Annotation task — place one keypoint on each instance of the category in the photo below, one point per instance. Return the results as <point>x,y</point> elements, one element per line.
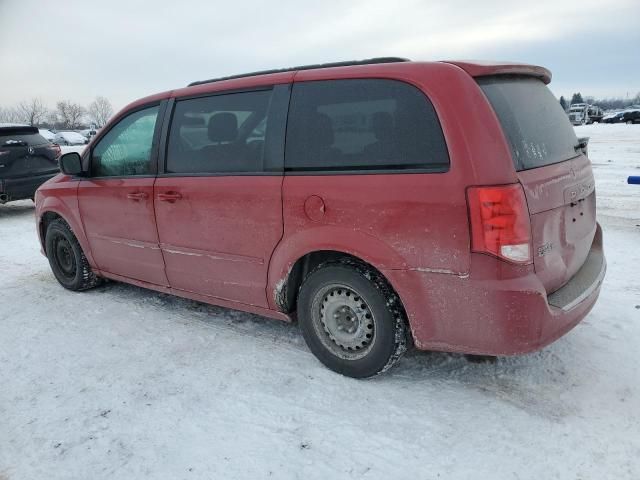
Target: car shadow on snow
<point>211,316</point>
<point>535,383</point>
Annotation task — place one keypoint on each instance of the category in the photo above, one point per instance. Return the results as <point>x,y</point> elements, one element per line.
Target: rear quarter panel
<point>401,221</point>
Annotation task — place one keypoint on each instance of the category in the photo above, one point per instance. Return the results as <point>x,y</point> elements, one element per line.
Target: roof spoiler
<point>485,69</point>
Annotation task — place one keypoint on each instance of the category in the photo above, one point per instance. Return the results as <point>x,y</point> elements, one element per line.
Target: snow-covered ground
<point>120,382</point>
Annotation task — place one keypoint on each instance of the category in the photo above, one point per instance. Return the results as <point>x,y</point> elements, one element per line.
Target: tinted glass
<point>363,125</point>
<point>126,148</point>
<point>222,133</point>
<point>21,139</point>
<point>534,122</point>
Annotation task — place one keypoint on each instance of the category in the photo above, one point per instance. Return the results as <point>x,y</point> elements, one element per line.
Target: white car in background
<point>89,133</point>
<point>48,134</point>
<point>70,138</point>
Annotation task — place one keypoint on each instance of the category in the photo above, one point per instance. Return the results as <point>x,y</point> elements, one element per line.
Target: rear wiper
<point>582,144</point>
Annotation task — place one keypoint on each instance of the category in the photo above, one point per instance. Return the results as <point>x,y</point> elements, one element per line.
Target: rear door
<point>554,170</point>
<point>116,202</point>
<point>368,172</point>
<point>219,201</point>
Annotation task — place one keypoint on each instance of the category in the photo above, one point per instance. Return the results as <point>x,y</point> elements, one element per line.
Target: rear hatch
<point>554,170</point>
<point>24,152</point>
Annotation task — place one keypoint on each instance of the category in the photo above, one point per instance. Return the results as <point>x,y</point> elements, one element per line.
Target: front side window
<point>219,134</point>
<point>366,124</point>
<point>126,149</point>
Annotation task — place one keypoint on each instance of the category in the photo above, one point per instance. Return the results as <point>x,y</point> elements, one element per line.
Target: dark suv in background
<point>631,116</point>
<point>27,160</point>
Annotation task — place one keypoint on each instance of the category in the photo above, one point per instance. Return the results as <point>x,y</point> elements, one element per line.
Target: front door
<point>219,201</point>
<point>116,201</point>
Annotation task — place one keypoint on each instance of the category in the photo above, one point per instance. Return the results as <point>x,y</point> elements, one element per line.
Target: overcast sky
<point>128,49</point>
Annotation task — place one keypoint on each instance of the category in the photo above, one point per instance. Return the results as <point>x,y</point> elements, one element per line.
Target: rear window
<point>363,124</point>
<point>538,129</point>
<point>20,136</point>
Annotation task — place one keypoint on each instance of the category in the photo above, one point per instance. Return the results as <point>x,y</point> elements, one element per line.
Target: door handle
<point>137,196</point>
<point>169,197</point>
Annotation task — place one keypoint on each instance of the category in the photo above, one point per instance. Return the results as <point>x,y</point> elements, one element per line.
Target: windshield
<point>536,126</point>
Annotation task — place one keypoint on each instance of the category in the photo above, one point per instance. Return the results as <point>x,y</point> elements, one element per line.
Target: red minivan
<point>379,203</point>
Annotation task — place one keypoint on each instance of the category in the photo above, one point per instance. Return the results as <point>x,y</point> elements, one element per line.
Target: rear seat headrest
<point>321,128</point>
<point>223,127</point>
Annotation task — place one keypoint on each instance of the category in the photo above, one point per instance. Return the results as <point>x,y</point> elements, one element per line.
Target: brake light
<point>56,148</point>
<point>500,224</point>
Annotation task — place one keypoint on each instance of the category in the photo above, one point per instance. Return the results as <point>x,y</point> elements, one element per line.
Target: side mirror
<point>71,163</point>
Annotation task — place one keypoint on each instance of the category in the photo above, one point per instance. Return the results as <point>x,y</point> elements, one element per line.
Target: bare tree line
<point>66,114</point>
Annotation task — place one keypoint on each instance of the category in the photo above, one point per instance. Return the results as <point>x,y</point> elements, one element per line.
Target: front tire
<point>66,258</point>
<point>351,319</point>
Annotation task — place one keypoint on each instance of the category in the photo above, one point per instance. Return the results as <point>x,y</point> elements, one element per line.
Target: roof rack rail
<point>369,61</point>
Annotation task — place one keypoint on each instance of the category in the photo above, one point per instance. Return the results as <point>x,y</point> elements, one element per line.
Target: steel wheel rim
<point>64,257</point>
<point>343,321</point>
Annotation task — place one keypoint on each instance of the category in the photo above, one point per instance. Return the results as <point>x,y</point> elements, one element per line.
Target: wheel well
<point>47,218</point>
<point>286,293</point>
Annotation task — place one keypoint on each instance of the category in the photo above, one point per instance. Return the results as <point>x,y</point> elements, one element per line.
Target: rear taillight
<point>500,223</point>
<point>56,148</point>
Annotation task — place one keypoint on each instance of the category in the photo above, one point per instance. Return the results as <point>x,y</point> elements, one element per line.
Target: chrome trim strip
<point>192,252</point>
<point>589,290</point>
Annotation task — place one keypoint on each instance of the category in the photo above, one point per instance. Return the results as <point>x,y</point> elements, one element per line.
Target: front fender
<point>59,196</point>
<point>327,237</point>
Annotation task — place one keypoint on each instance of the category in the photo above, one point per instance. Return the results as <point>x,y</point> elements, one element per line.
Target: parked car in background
<point>578,113</point>
<point>48,134</point>
<point>584,114</point>
<point>27,160</point>
<point>70,138</point>
<point>89,133</point>
<point>361,210</point>
<point>594,114</point>
<point>51,137</point>
<point>615,117</point>
<point>631,116</point>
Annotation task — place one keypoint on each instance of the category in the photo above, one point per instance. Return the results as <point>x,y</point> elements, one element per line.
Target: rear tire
<point>66,258</point>
<point>351,319</point>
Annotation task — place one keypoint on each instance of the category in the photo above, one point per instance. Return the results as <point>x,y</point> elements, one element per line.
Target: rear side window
<point>536,126</point>
<point>219,134</point>
<point>363,125</point>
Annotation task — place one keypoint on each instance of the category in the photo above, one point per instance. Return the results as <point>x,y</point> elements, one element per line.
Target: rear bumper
<point>19,188</point>
<point>496,317</point>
